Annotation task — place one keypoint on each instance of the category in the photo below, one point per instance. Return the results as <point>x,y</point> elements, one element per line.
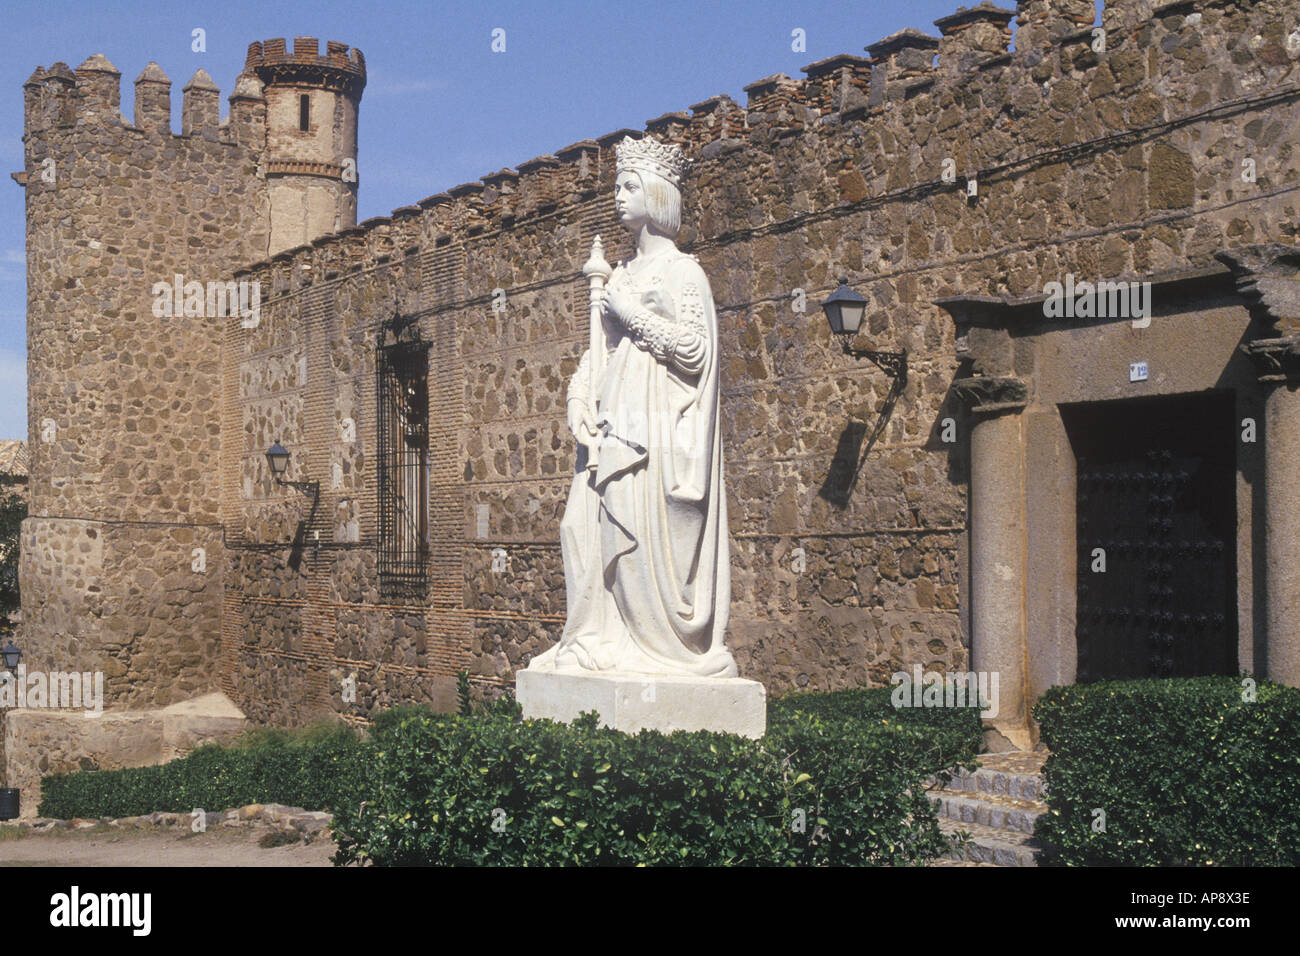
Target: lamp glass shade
<point>844,309</point>
<point>278,458</point>
<point>11,655</point>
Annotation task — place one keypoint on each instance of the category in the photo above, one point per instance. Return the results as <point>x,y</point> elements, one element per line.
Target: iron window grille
<point>403,439</point>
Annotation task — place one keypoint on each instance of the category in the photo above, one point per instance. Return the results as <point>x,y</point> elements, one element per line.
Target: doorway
<point>1156,536</point>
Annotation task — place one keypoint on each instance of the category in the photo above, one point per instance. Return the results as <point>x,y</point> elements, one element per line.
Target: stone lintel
<point>1004,311</point>
<point>636,702</point>
<point>964,308</point>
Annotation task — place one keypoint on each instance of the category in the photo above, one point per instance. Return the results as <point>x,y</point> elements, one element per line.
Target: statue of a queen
<point>644,534</point>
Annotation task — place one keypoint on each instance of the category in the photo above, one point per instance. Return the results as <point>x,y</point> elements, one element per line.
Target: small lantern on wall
<point>11,656</point>
<point>844,309</point>
<point>277,458</point>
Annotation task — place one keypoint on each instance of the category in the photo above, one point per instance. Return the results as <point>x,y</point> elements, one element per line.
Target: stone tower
<point>122,553</point>
<point>311,136</point>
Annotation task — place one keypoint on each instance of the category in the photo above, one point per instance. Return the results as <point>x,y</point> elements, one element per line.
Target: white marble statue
<point>644,535</point>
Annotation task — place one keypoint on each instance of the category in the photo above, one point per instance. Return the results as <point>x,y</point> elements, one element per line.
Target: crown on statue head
<point>649,155</point>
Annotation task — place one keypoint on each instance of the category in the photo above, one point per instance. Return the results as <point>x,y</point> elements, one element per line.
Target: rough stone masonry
<point>1120,159</point>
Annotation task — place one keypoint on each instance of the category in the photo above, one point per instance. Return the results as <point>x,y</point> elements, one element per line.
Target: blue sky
<point>440,107</point>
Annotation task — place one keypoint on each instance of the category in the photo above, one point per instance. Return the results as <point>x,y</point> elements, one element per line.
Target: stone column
<point>1051,579</point>
<point>999,551</point>
<point>1268,277</point>
<point>1282,515</point>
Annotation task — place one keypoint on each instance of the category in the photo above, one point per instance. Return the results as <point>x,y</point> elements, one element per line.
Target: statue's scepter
<point>597,271</point>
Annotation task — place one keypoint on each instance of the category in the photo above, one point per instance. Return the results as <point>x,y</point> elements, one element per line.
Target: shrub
<point>1186,772</point>
<point>13,509</point>
<point>839,778</point>
<point>832,782</point>
<point>307,768</point>
<point>958,728</point>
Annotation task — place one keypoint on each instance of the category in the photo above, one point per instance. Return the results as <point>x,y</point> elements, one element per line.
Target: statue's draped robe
<point>644,535</point>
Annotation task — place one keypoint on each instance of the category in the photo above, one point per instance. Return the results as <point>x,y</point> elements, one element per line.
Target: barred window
<point>403,426</point>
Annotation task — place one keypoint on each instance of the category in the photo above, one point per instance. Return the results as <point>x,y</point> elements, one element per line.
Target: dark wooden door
<point>1157,495</point>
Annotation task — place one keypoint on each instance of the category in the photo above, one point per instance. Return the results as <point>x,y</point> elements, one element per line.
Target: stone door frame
<point>1231,325</point>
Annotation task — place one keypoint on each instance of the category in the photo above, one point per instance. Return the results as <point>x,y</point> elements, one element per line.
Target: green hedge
<point>305,769</point>
<point>1186,772</point>
<point>958,727</point>
<point>838,779</point>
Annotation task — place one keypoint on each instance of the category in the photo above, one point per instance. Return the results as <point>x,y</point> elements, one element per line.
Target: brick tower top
<point>312,104</point>
<point>339,69</point>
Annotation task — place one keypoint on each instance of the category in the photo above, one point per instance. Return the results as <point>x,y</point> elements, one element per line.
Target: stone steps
<point>997,807</point>
<point>999,813</point>
<point>987,845</point>
<point>987,781</point>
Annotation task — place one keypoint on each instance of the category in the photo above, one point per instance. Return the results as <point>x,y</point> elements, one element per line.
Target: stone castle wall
<point>123,436</point>
<point>1125,162</point>
<point>123,553</point>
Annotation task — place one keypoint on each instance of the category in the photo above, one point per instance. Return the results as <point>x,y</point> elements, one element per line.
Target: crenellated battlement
<point>898,62</point>
<point>934,166</point>
<point>58,100</point>
<point>972,37</point>
<point>339,69</point>
<point>1047,79</point>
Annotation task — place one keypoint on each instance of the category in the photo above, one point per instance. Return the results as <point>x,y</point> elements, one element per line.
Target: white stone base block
<point>635,702</point>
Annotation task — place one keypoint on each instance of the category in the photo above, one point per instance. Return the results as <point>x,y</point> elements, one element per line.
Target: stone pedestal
<point>635,702</point>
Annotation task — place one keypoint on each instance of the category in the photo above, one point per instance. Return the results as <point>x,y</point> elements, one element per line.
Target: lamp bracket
<point>306,487</point>
<point>893,364</point>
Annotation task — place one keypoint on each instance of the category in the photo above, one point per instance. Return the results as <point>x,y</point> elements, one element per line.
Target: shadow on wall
<point>852,451</point>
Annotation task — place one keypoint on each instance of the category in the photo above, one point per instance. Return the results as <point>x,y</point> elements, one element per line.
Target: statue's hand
<point>581,422</point>
<point>619,303</point>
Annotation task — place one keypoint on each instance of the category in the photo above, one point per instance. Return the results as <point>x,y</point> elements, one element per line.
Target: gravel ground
<point>105,846</point>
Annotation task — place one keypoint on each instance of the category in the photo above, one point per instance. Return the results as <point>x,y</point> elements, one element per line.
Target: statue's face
<point>629,199</point>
